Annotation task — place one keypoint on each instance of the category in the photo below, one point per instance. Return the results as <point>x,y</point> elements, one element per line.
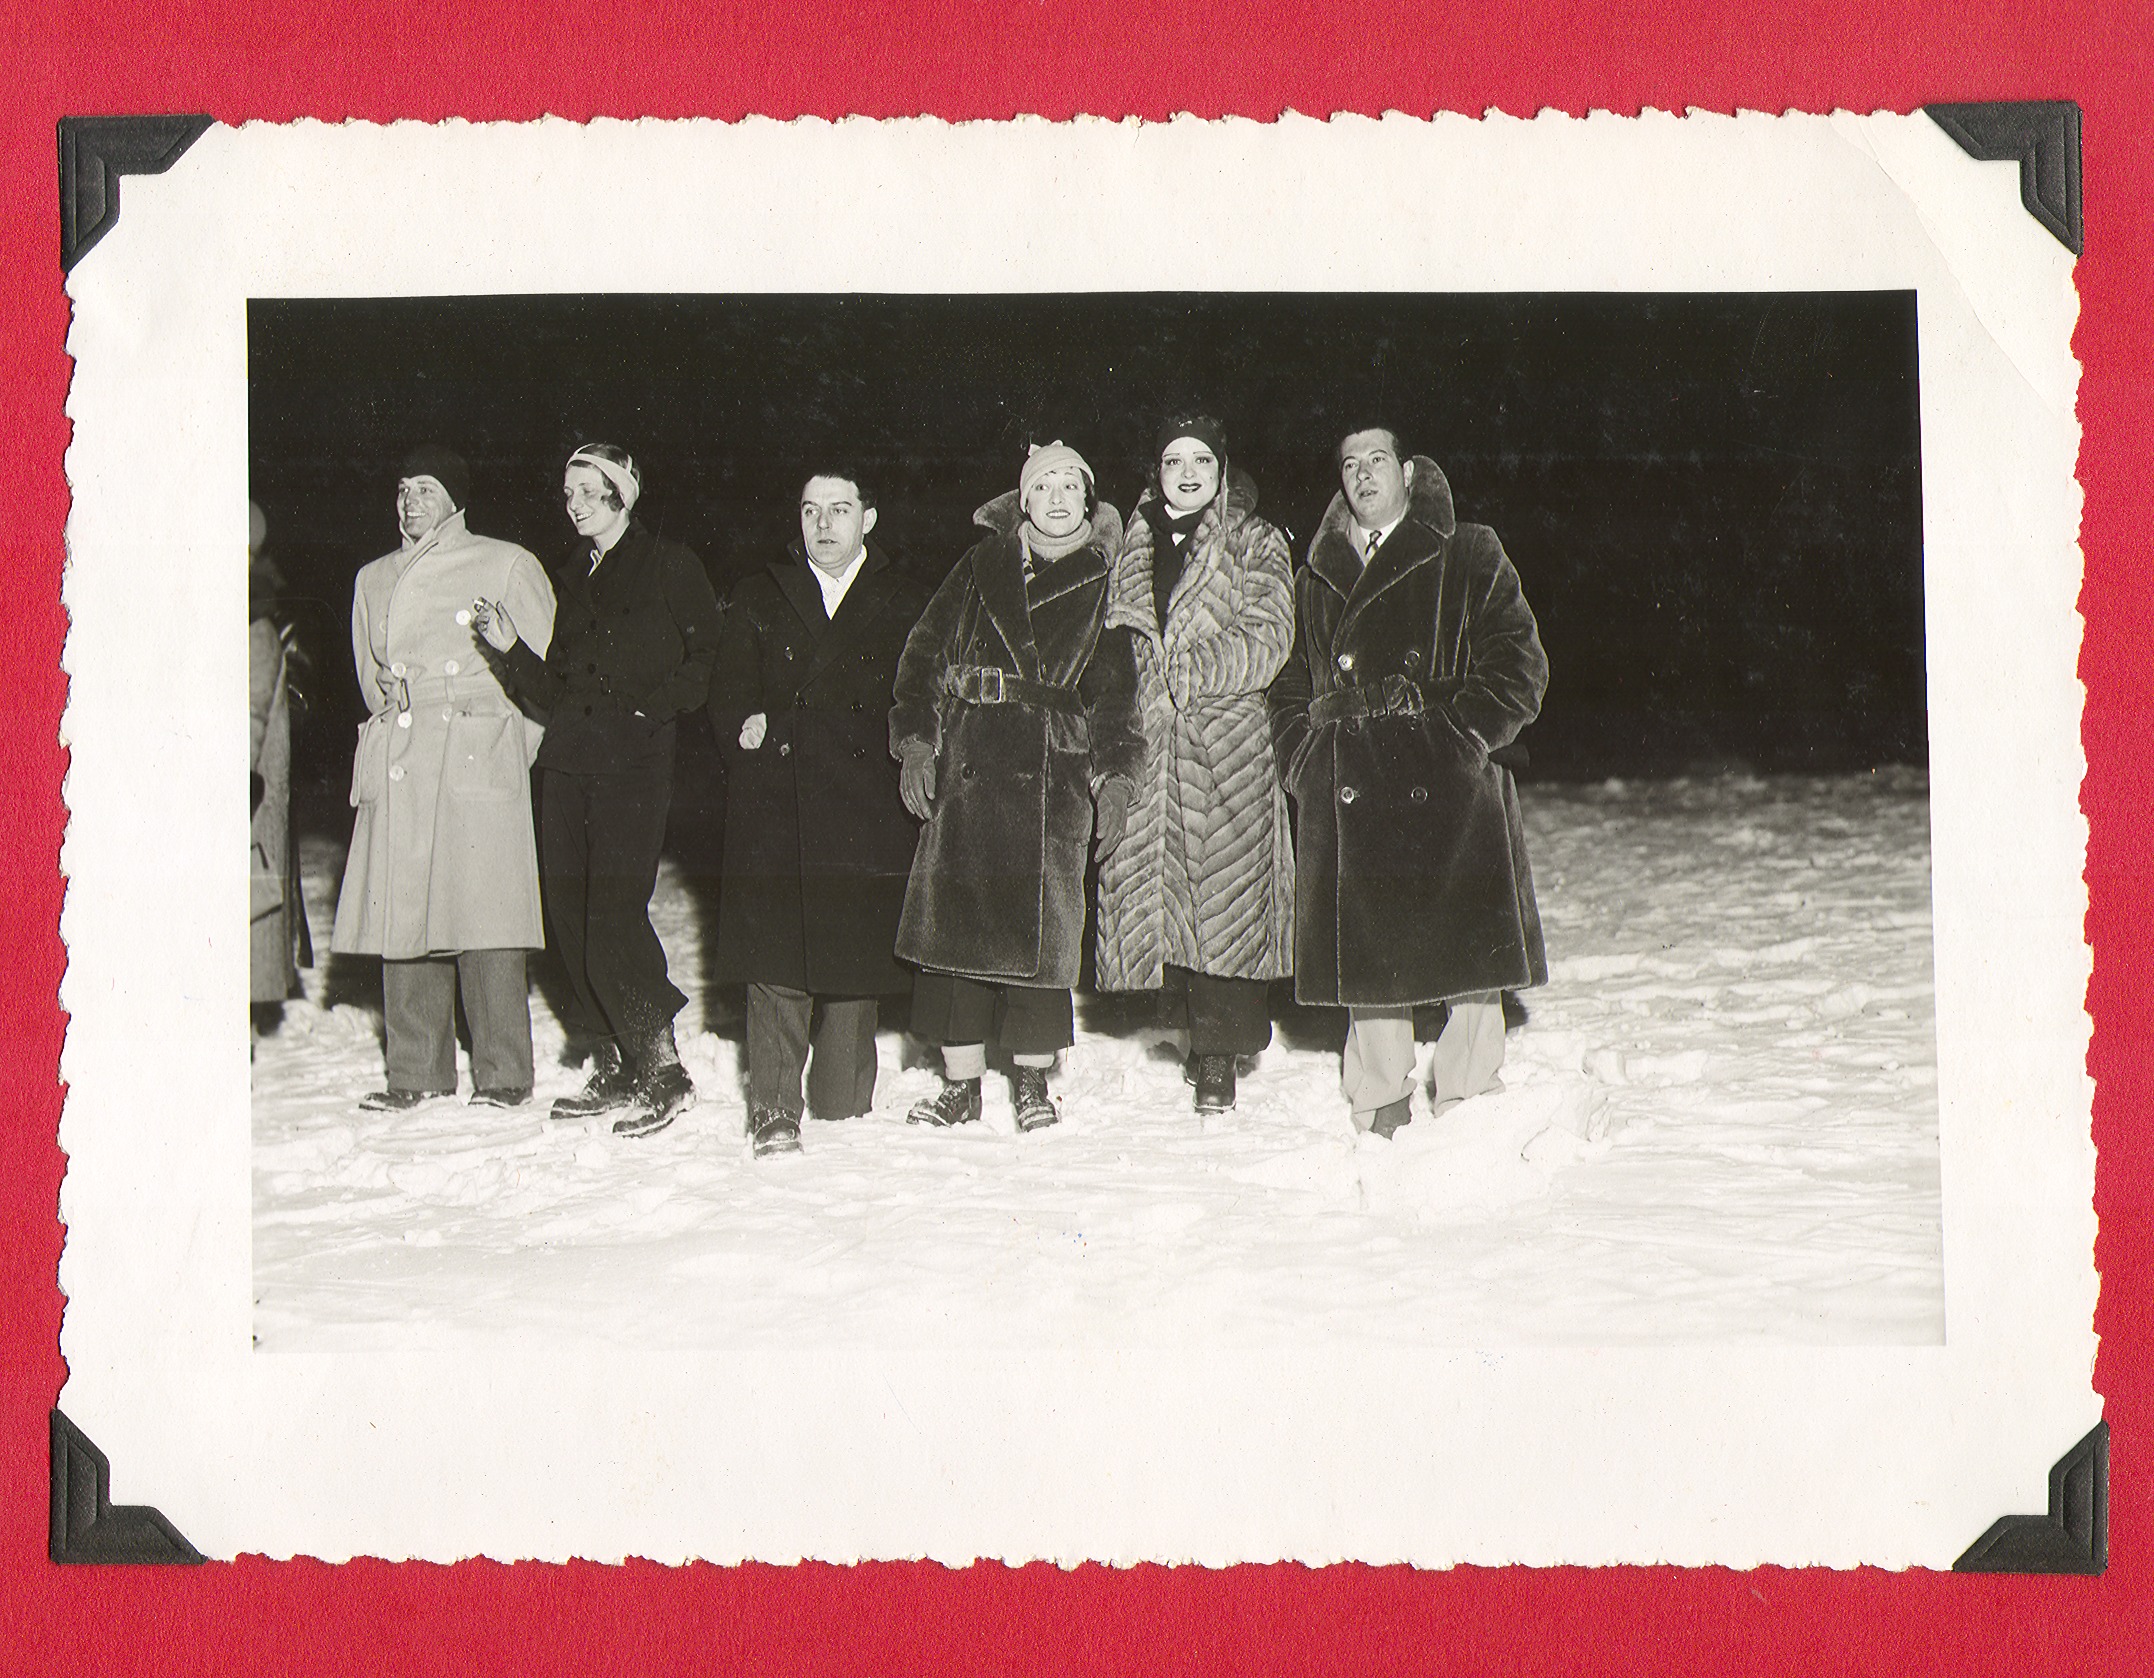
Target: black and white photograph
<point>1609,787</point>
<point>957,853</point>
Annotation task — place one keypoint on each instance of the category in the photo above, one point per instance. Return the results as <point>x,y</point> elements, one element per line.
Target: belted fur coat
<point>1412,883</point>
<point>997,889</point>
<point>1204,876</point>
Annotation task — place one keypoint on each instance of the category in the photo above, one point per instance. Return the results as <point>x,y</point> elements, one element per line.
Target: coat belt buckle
<point>991,693</point>
<point>1402,696</point>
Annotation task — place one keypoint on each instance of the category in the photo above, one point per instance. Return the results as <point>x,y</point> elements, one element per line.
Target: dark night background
<point>1714,501</point>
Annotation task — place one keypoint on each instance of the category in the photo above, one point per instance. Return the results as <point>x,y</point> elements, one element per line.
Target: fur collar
<point>1428,503</point>
<point>1239,501</point>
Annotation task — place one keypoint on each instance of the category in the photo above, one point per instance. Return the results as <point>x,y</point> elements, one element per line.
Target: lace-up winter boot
<point>1036,1109</point>
<point>958,1102</point>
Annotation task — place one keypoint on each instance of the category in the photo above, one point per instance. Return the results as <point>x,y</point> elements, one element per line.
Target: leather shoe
<point>395,1101</point>
<point>659,1100</point>
<point>774,1131</point>
<point>502,1095</point>
<point>1393,1116</point>
<point>1215,1083</point>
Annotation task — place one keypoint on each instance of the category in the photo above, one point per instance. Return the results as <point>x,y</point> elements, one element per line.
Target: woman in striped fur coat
<point>1199,896</point>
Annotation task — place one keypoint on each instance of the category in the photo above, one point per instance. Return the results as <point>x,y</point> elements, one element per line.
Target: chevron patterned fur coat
<point>1204,875</point>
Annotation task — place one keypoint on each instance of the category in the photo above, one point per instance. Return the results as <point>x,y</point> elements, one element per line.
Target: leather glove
<point>1113,801</point>
<point>916,779</point>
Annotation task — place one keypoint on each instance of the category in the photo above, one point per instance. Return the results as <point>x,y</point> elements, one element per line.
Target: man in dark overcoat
<point>817,844</point>
<point>1416,664</point>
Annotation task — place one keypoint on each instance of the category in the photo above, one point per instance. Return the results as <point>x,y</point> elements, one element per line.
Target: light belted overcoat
<point>442,857</point>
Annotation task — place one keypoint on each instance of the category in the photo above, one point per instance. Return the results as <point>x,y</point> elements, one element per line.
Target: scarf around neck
<point>1039,545</point>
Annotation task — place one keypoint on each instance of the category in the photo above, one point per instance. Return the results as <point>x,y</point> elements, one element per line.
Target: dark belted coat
<point>817,844</point>
<point>998,882</point>
<point>1411,880</point>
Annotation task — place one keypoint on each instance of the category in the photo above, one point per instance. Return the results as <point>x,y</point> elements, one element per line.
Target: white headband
<point>623,478</point>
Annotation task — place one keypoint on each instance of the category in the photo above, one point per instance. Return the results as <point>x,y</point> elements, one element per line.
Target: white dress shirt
<point>834,588</point>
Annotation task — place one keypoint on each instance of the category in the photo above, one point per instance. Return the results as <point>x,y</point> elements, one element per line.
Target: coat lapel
<point>862,604</point>
<point>998,572</point>
<point>804,594</point>
<point>1411,546</point>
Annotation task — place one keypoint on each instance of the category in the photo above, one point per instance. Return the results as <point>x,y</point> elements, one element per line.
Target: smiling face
<point>1376,481</point>
<point>833,523</point>
<point>594,505</point>
<point>1188,474</point>
<point>421,503</point>
<point>1055,502</point>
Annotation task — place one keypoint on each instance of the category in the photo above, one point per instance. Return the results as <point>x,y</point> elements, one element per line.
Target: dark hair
<point>620,457</point>
<point>1398,444</point>
<point>845,472</point>
<point>1189,422</point>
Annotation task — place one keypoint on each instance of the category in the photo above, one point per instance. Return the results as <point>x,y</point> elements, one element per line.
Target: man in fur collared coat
<point>1016,714</point>
<point>1416,666</point>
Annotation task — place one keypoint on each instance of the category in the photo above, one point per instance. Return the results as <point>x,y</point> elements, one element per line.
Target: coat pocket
<point>370,762</point>
<point>1475,754</point>
<point>486,759</point>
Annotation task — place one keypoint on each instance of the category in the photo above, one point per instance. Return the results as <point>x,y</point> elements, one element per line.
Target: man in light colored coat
<point>442,878</point>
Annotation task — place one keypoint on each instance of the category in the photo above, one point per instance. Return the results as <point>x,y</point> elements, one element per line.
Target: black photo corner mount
<point>95,152</point>
<point>2072,1538</point>
<point>87,1526</point>
<point>2042,137</point>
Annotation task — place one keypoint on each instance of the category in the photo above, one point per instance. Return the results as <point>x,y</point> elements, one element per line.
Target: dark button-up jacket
<point>632,649</point>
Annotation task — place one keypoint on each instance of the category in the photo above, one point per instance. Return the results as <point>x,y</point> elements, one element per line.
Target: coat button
<point>1420,795</point>
<point>785,750</point>
<point>1413,658</point>
<point>1346,661</point>
<point>860,751</point>
<point>448,713</point>
<point>452,667</point>
<point>396,771</point>
<point>1347,795</point>
<point>590,669</point>
<point>403,719</point>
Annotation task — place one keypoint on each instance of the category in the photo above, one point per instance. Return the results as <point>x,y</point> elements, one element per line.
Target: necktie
<point>1375,540</point>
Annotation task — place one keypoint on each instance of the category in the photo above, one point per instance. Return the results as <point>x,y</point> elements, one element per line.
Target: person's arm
<point>736,690</point>
<point>1109,687</point>
<point>697,618</point>
<point>1506,671</point>
<point>915,718</point>
<point>1245,655</point>
<point>1288,700</point>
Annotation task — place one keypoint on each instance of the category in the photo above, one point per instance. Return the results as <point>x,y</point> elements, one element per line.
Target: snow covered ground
<point>1719,1123</point>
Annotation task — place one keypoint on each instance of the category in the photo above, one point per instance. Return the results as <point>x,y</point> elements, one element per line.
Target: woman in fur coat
<point>1015,721</point>
<point>1200,892</point>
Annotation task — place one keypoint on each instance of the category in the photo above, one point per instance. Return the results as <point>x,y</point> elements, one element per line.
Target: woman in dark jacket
<point>634,634</point>
<point>1016,720</point>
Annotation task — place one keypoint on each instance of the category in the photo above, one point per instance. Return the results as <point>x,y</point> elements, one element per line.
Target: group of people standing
<point>1276,775</point>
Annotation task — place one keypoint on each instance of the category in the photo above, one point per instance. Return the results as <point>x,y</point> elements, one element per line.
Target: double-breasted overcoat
<point>442,856</point>
<point>817,844</point>
<point>1028,701</point>
<point>1204,875</point>
<point>1412,883</point>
